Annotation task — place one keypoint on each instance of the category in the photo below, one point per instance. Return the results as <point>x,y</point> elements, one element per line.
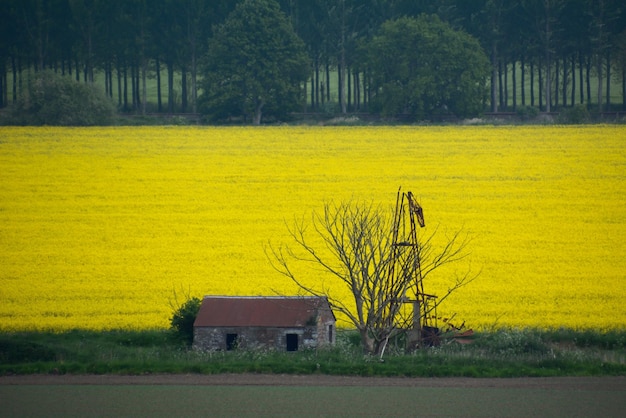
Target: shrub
<point>527,113</point>
<point>182,320</point>
<point>575,115</point>
<point>52,99</point>
<point>515,342</point>
<point>18,351</point>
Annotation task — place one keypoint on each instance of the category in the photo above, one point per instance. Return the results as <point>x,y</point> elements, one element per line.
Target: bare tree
<point>368,251</point>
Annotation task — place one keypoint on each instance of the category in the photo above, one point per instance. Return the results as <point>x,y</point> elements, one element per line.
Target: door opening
<point>292,342</point>
<point>231,341</point>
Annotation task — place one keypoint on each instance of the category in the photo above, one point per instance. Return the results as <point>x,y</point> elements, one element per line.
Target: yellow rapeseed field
<point>99,226</point>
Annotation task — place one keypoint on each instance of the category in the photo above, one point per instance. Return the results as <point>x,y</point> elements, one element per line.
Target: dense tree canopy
<point>255,63</point>
<point>543,53</point>
<point>56,100</point>
<point>421,66</point>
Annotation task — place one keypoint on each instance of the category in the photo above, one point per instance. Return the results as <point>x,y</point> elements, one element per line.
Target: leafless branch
<point>359,252</point>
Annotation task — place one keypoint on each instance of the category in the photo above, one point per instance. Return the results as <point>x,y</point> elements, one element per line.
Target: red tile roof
<point>225,311</point>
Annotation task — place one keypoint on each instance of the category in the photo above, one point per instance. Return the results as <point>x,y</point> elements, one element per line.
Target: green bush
<point>53,99</point>
<point>575,115</point>
<point>19,351</point>
<point>527,113</point>
<point>183,318</point>
<point>515,342</point>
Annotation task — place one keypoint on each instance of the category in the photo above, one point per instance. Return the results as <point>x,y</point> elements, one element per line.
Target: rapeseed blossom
<point>100,226</point>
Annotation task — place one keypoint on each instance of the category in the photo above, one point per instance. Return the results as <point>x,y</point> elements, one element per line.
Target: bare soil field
<point>259,395</point>
<point>556,383</point>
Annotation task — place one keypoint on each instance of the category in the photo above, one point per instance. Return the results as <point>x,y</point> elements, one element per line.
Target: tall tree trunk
<point>364,91</point>
<point>306,95</point>
<point>327,81</point>
<point>126,107</point>
<point>133,89</point>
<point>548,59</point>
<point>89,63</point>
<point>556,83</point>
<point>501,86</point>
<point>599,75</point>
<point>158,77</point>
<point>581,78</point>
<point>357,92</point>
<point>565,77</point>
<point>532,84</point>
<point>548,89</point>
<point>523,80</point>
<point>540,86</point>
<point>349,91</point>
<point>110,79</point>
<point>137,86</point>
<point>342,61</point>
<point>106,79</point>
<point>588,80</point>
<point>119,85</point>
<point>4,81</point>
<point>191,13</point>
<point>184,89</point>
<point>144,88</point>
<point>494,77</point>
<point>599,23</point>
<point>608,81</point>
<point>14,67</point>
<point>313,89</point>
<point>573,63</point>
<point>194,79</point>
<point>316,104</point>
<point>367,342</point>
<point>514,80</point>
<point>624,87</point>
<point>170,87</point>
<point>342,85</point>
<point>258,112</point>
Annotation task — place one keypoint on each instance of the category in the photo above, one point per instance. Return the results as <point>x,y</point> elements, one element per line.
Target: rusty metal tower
<point>406,268</point>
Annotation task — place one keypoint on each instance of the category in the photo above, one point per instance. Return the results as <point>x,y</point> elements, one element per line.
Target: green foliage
<point>423,67</point>
<point>254,66</point>
<point>609,340</point>
<point>575,115</point>
<point>504,353</point>
<point>53,99</point>
<point>527,113</point>
<point>20,351</point>
<point>514,342</point>
<point>183,318</point>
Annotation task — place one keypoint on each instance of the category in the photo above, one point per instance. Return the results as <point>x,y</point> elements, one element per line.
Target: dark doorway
<point>292,342</point>
<point>231,341</point>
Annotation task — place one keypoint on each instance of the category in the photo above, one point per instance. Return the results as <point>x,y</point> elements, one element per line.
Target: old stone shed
<point>281,323</point>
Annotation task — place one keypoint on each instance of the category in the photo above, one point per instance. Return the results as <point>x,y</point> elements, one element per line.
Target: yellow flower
<point>99,226</point>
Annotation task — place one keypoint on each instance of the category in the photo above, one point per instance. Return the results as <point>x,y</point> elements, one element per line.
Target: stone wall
<point>318,331</point>
<point>223,338</point>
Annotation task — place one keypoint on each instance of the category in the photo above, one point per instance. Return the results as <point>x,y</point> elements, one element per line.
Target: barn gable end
<point>281,323</point>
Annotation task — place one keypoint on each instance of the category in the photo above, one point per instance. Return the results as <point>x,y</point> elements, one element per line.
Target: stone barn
<point>281,323</point>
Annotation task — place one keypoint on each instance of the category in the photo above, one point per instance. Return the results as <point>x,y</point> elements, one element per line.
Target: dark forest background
<point>546,54</point>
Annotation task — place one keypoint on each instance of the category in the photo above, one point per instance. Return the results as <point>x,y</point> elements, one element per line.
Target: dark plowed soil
<point>580,383</point>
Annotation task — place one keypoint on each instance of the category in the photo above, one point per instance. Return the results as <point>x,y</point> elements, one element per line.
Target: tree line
<point>567,52</point>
